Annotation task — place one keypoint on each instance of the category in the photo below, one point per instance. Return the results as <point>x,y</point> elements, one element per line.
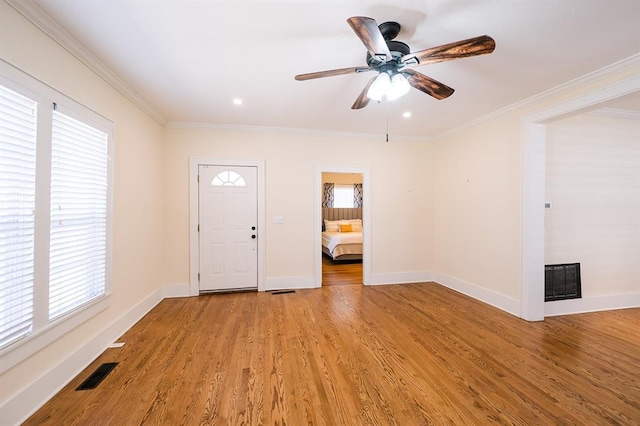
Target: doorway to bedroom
<point>342,198</point>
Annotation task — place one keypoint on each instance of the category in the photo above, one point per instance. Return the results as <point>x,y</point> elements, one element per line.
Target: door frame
<point>194,263</point>
<point>366,221</point>
<point>533,162</point>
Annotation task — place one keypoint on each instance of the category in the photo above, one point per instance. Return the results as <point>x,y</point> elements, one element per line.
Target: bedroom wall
<point>400,177</point>
<point>477,194</point>
<point>137,211</point>
<point>593,184</point>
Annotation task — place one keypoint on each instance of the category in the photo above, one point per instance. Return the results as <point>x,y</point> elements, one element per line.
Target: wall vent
<point>562,282</point>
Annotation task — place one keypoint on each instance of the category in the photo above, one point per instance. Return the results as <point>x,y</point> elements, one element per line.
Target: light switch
<point>278,219</point>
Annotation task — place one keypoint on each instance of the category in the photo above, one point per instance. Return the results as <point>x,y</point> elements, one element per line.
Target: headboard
<point>330,213</point>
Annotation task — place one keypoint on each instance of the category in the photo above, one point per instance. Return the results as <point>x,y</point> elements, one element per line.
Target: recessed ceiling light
<point>406,114</point>
<point>237,101</point>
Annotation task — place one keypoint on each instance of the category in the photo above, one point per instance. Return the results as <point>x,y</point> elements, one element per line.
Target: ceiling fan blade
<point>330,73</point>
<point>459,49</point>
<point>362,100</point>
<point>370,35</point>
<point>428,85</point>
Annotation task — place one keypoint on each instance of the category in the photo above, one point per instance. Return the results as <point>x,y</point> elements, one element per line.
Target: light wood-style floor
<point>357,355</point>
<point>341,272</point>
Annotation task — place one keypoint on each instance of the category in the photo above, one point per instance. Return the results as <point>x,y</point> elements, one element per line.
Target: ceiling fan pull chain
<point>386,104</point>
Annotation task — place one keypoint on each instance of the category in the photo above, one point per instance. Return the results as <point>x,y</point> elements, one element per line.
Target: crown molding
<point>626,114</point>
<point>293,130</point>
<point>631,61</point>
<point>57,33</point>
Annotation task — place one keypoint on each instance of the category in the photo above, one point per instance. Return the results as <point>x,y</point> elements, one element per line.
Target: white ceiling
<point>189,58</point>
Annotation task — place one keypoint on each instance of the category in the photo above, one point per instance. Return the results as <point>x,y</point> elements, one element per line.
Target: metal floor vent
<point>282,291</point>
<point>562,282</point>
<point>98,376</point>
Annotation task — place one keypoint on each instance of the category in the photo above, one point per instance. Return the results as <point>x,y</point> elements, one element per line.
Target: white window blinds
<point>17,203</point>
<point>55,215</point>
<point>78,214</point>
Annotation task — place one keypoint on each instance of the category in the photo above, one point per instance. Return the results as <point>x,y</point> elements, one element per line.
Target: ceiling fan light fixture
<point>379,87</point>
<point>391,87</point>
<point>398,88</point>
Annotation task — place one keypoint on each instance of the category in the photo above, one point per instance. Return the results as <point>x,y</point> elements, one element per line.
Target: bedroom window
<point>228,178</point>
<point>55,220</point>
<point>343,196</point>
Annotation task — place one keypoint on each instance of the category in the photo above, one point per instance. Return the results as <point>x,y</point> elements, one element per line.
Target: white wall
<point>479,188</point>
<point>477,209</point>
<point>400,196</point>
<point>593,184</point>
<point>137,210</point>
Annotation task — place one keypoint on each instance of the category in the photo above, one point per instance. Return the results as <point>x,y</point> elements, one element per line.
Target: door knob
<point>253,236</point>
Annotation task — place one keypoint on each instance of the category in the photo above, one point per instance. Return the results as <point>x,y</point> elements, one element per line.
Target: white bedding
<point>340,243</point>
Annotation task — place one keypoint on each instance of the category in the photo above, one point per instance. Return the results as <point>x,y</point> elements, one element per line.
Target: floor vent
<point>562,282</point>
<point>94,380</point>
<point>283,291</point>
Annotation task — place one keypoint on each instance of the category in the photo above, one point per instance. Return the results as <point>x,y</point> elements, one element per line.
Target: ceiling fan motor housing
<point>398,49</point>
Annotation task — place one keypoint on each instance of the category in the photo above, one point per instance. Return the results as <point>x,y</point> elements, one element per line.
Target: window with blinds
<point>55,220</point>
<point>78,214</point>
<point>18,123</point>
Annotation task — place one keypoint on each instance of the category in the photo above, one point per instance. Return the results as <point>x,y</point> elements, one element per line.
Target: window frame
<point>44,332</point>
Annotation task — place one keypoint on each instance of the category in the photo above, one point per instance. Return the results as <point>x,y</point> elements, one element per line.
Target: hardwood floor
<point>341,273</point>
<point>356,355</point>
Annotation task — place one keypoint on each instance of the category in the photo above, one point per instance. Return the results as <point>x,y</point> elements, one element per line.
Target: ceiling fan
<point>393,62</point>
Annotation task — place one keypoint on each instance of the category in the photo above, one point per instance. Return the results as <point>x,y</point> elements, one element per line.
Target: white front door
<point>228,222</point>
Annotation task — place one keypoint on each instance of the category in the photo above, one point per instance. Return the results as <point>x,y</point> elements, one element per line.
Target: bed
<point>342,233</point>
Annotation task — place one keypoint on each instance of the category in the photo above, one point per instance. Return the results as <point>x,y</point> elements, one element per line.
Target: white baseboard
<point>498,300</point>
<point>177,290</point>
<point>18,408</point>
<point>592,304</point>
<point>289,283</point>
<point>402,278</point>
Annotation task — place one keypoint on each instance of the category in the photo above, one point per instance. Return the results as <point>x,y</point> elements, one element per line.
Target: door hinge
<point>198,276</point>
<point>198,178</point>
<point>198,227</point>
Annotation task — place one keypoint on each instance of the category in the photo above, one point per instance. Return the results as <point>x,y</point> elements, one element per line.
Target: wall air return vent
<point>562,282</point>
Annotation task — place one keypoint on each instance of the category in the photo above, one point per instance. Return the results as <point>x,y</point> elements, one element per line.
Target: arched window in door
<point>228,178</point>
